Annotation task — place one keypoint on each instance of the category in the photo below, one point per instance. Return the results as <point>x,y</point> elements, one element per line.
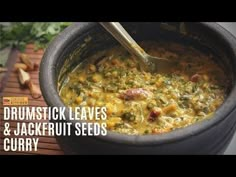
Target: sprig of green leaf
<point>18,34</point>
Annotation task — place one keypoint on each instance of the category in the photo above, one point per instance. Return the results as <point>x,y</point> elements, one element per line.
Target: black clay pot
<point>83,39</point>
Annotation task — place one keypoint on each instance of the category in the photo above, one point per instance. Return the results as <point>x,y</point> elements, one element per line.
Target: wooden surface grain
<point>47,144</point>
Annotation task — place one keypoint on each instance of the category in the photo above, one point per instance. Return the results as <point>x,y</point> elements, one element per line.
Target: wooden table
<point>10,87</point>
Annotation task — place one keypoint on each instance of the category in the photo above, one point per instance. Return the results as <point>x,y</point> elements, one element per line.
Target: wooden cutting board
<point>10,87</point>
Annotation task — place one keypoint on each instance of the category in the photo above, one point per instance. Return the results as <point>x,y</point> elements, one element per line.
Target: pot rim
<point>49,90</point>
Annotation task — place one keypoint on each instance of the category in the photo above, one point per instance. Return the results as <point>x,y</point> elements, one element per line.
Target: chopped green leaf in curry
<point>139,102</point>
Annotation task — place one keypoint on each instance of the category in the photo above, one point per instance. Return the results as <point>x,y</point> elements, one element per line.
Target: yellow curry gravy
<point>139,102</point>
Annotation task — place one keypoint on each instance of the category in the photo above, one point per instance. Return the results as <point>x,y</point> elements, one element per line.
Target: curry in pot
<point>140,102</point>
